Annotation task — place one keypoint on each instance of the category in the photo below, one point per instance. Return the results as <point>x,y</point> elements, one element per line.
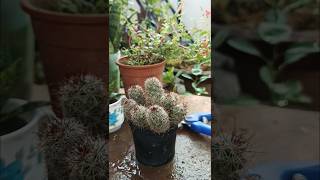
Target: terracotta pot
<point>69,45</point>
<point>136,75</point>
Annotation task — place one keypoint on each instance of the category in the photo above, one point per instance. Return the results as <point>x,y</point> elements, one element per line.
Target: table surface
<point>279,134</point>
<point>192,158</point>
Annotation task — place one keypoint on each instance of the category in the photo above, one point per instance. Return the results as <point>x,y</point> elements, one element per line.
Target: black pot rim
<point>148,131</point>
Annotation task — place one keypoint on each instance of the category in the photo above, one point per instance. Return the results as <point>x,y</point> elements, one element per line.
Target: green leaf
<point>280,88</point>
<point>295,87</point>
<point>266,76</point>
<point>244,46</point>
<point>302,99</point>
<point>203,78</point>
<point>178,73</point>
<point>220,38</point>
<point>274,33</point>
<point>299,51</point>
<point>196,70</point>
<point>296,4</point>
<point>185,75</point>
<point>168,77</point>
<point>276,16</point>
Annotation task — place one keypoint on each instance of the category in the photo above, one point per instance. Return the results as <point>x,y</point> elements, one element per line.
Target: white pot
<point>116,116</point>
<point>19,154</point>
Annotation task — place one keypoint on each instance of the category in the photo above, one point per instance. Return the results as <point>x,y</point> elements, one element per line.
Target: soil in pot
<point>154,149</point>
<point>11,125</point>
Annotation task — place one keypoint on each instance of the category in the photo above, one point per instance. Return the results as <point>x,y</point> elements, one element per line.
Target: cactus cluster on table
<point>151,108</point>
<point>75,147</point>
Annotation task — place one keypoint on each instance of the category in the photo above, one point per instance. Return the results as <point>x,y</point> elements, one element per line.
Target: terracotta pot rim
<point>48,15</point>
<point>124,58</point>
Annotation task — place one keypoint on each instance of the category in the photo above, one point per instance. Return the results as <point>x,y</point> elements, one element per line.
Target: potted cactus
<point>72,39</point>
<point>153,116</point>
<point>75,147</point>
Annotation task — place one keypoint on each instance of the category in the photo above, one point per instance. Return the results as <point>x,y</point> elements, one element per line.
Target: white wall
<point>193,13</point>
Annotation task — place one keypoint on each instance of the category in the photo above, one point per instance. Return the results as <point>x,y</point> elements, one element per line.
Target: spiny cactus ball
<point>177,113</point>
<point>153,90</point>
<point>169,100</point>
<point>84,98</point>
<point>127,105</point>
<point>138,116</point>
<point>136,93</point>
<point>56,137</point>
<point>88,160</point>
<point>158,119</point>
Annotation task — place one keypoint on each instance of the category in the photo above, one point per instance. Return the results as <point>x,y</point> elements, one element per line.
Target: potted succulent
<point>75,146</point>
<point>71,35</point>
<point>153,117</point>
<point>19,157</point>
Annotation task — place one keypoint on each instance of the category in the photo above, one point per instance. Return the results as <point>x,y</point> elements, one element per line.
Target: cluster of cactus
<point>152,108</point>
<point>75,147</point>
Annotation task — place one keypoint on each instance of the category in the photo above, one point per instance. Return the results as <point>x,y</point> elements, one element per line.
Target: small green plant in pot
<point>153,116</point>
<point>142,60</point>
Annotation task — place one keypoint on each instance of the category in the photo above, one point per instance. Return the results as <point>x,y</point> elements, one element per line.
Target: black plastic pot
<point>154,149</point>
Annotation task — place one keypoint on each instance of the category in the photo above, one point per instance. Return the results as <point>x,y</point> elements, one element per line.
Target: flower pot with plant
<point>153,117</point>
<point>146,56</point>
<point>71,36</point>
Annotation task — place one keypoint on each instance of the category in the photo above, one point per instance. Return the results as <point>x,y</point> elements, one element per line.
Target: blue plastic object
<point>195,122</point>
<point>286,170</point>
<point>310,172</point>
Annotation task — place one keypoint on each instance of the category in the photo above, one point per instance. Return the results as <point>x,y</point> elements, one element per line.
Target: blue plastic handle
<point>199,116</point>
<point>200,127</point>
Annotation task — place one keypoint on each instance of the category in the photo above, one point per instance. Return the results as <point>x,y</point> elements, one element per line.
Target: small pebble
<point>298,177</point>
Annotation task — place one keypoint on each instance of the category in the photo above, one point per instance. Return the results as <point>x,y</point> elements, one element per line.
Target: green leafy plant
<point>298,13</point>
<point>168,41</point>
<point>197,77</point>
<point>80,6</point>
<point>152,108</point>
<point>274,33</point>
<point>146,47</point>
<point>171,79</point>
<point>116,28</point>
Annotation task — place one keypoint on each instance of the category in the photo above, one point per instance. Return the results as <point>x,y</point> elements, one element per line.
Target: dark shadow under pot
<point>154,149</point>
